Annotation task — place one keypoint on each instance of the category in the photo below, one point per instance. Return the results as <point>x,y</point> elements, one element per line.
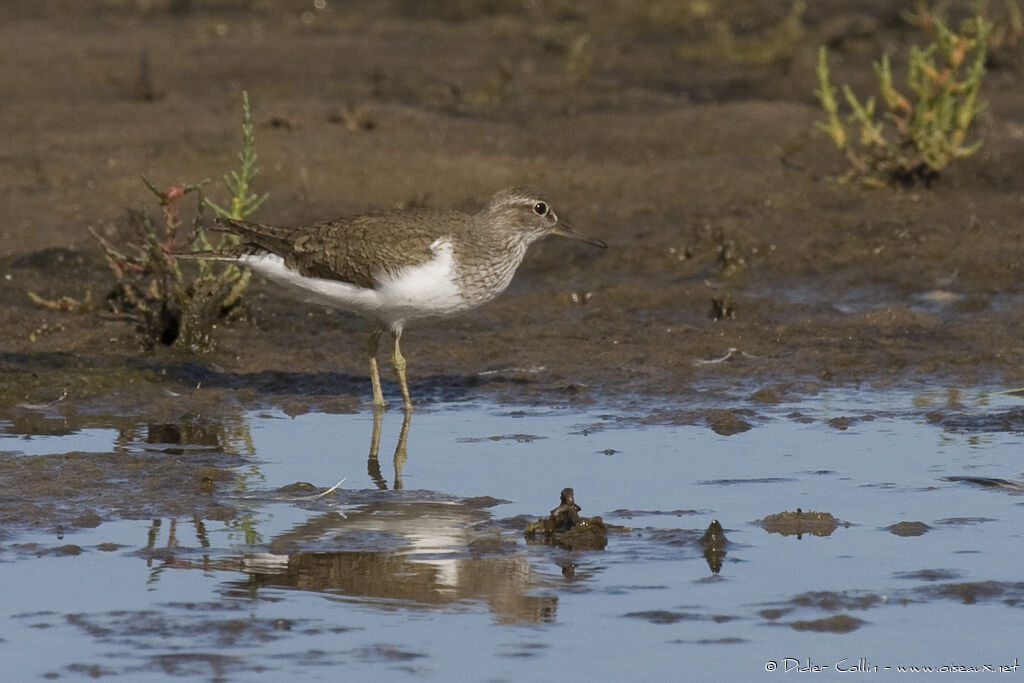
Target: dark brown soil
<point>680,132</point>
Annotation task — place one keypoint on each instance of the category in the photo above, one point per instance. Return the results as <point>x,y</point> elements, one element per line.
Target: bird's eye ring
<point>540,208</point>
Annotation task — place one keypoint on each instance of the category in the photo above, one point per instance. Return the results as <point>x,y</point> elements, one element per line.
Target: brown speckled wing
<point>356,249</point>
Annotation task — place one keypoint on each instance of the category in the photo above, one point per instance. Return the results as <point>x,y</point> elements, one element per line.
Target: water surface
<point>416,566</point>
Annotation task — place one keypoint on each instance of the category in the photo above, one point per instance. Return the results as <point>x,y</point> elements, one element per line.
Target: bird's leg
<point>400,450</point>
<point>399,362</point>
<point>372,464</point>
<point>371,351</point>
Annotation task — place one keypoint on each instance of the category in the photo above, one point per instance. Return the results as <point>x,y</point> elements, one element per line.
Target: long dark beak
<point>566,230</point>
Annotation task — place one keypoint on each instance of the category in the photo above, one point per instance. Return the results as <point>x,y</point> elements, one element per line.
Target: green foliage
<point>921,132</point>
<point>238,182</point>
<point>181,302</point>
<point>1007,34</point>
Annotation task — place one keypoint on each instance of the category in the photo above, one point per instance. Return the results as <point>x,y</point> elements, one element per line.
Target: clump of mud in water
<point>714,541</point>
<point>840,623</point>
<point>565,527</point>
<point>909,529</point>
<point>800,522</point>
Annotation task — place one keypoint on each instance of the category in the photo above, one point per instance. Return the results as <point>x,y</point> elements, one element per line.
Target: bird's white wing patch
<point>425,290</point>
<point>420,291</point>
<point>343,295</point>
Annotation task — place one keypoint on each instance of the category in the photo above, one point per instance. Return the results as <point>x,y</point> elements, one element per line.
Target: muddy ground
<point>682,133</point>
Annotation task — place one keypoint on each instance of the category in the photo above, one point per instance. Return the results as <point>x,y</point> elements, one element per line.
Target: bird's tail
<point>221,224</point>
<point>242,229</point>
<point>203,255</point>
<point>254,231</point>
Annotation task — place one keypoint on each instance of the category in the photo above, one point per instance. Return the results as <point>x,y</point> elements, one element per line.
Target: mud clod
<point>840,623</point>
<point>800,522</point>
<point>565,527</point>
<point>909,529</point>
<point>726,422</point>
<point>714,542</point>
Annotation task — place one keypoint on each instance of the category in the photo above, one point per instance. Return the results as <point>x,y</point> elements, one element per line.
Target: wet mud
<point>566,528</point>
<point>704,174</point>
<point>801,522</point>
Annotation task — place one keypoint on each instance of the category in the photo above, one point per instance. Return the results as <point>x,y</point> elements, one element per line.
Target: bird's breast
<point>488,272</point>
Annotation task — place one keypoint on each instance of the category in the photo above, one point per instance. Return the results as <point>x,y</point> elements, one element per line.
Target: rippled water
<point>416,567</point>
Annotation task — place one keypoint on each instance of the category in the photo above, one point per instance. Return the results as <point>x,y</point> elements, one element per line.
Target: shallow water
<point>416,567</point>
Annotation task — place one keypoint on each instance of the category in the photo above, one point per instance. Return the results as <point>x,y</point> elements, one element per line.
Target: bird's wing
<point>356,249</point>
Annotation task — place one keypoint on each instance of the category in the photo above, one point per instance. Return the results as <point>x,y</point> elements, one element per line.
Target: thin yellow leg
<point>371,351</point>
<point>399,362</point>
<point>400,450</point>
<point>372,463</point>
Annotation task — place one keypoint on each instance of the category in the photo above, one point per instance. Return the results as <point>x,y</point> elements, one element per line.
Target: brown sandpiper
<point>399,265</point>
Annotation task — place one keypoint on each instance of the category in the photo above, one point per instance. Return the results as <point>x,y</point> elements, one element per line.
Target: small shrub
<point>238,183</point>
<point>180,303</point>
<point>922,132</point>
<point>1005,38</point>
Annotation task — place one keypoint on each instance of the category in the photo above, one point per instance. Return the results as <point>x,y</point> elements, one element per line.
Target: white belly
<point>422,291</point>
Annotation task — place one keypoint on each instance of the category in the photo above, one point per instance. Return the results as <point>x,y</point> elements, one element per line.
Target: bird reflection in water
<point>373,464</point>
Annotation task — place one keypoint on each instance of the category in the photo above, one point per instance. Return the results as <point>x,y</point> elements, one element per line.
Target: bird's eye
<point>540,208</point>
